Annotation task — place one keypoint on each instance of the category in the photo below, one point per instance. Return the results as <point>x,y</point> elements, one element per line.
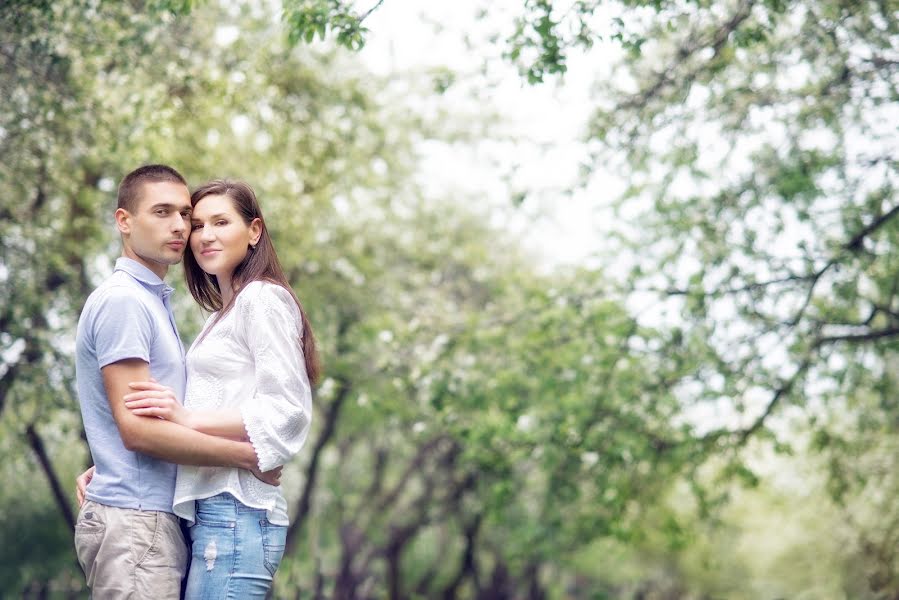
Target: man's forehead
<point>164,192</point>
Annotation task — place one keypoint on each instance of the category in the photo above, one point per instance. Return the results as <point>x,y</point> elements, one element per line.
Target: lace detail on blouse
<point>251,360</point>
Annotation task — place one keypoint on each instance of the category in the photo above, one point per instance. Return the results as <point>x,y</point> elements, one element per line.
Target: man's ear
<point>123,221</point>
<point>255,231</point>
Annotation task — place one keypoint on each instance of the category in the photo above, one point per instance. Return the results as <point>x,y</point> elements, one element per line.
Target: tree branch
<point>7,381</point>
<point>687,50</point>
<point>412,468</point>
<point>855,244</point>
<point>785,388</point>
<point>815,278</point>
<point>312,471</point>
<point>371,10</point>
<point>749,287</point>
<point>62,501</point>
<point>467,566</point>
<point>868,336</point>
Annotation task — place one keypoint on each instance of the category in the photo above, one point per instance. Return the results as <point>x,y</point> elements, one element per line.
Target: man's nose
<point>178,224</point>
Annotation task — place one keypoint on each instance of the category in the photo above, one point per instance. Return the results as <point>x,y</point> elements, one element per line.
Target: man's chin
<point>167,260</point>
<point>173,258</point>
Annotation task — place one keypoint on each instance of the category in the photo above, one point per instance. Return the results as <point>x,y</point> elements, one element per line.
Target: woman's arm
<point>81,483</point>
<point>278,416</point>
<point>276,420</point>
<point>152,399</point>
<point>225,422</point>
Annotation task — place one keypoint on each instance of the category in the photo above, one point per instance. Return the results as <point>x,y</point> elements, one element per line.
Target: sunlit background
<point>607,292</point>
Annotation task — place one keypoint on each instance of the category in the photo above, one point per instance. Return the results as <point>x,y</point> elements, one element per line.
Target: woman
<point>248,377</point>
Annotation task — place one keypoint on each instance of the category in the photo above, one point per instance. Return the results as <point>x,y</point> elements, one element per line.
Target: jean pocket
<point>274,538</point>
<point>212,512</point>
<point>213,520</point>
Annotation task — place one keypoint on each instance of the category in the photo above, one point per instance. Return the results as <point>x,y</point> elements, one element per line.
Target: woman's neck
<point>225,288</point>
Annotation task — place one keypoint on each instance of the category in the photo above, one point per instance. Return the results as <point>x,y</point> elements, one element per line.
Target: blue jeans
<point>234,550</point>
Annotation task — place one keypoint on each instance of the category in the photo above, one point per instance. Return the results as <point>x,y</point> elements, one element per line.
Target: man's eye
<point>162,212</point>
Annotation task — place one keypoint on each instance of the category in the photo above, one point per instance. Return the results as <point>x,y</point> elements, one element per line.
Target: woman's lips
<point>208,252</point>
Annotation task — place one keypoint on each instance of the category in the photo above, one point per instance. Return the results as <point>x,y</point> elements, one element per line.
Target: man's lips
<point>179,244</point>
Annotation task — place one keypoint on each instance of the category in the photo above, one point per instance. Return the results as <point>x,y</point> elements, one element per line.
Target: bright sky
<point>541,126</point>
<point>534,147</point>
<point>548,121</point>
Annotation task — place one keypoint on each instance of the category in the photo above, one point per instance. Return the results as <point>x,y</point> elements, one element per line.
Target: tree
<point>413,299</point>
<point>763,186</point>
<point>762,221</point>
<point>93,93</point>
<point>57,142</point>
<point>483,430</point>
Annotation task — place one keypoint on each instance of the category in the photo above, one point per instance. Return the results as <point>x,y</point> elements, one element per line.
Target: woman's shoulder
<point>264,294</point>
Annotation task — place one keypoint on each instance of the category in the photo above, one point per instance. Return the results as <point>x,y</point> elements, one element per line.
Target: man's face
<point>156,233</point>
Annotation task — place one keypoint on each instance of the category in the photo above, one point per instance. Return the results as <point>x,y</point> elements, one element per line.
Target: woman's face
<point>219,238</point>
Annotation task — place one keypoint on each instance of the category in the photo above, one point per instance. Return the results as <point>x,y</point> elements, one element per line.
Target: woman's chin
<point>210,271</point>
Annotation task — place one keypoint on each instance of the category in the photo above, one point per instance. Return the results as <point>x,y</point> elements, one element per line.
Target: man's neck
<point>158,268</point>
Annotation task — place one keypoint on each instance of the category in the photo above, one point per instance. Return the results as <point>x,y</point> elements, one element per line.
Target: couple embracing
<point>189,444</point>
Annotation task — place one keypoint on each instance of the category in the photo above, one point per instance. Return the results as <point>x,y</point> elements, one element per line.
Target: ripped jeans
<point>234,550</point>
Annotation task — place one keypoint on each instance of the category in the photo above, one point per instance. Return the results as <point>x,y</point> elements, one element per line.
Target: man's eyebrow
<point>170,206</point>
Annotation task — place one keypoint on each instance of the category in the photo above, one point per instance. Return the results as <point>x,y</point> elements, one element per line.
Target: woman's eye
<point>221,223</point>
<point>195,227</point>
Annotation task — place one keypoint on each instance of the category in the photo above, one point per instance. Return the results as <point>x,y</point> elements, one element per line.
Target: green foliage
<point>484,430</point>
<point>307,18</point>
<point>536,33</point>
<point>434,422</point>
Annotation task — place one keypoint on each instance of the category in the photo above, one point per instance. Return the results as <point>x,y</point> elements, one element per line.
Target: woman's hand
<point>272,477</point>
<point>81,484</point>
<point>151,399</point>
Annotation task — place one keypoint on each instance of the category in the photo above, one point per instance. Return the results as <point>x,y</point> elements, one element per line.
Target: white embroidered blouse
<point>251,360</point>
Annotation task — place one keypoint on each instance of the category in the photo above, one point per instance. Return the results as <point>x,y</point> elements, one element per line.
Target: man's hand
<point>151,399</point>
<point>85,478</point>
<point>272,477</point>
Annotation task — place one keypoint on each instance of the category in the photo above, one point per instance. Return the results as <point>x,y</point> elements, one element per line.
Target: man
<point>128,541</point>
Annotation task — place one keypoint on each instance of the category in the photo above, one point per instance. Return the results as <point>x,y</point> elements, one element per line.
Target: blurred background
<point>607,291</point>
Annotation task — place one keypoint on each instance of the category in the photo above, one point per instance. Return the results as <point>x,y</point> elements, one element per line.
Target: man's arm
<point>163,439</point>
<point>152,399</point>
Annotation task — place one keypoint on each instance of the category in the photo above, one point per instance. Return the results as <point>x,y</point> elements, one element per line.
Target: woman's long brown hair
<point>260,264</point>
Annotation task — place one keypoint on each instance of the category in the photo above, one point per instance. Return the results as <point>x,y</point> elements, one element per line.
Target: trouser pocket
<point>89,531</point>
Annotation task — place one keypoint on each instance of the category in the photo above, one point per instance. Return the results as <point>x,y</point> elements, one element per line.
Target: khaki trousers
<point>129,553</point>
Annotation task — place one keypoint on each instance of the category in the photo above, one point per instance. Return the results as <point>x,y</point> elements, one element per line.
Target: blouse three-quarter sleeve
<point>277,418</point>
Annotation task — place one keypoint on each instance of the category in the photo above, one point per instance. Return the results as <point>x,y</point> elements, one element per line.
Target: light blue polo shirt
<point>128,316</point>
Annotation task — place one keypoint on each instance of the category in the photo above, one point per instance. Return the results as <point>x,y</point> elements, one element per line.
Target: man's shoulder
<point>117,294</point>
<point>117,286</point>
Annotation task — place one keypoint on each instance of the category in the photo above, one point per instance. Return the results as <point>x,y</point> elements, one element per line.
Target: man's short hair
<point>131,187</point>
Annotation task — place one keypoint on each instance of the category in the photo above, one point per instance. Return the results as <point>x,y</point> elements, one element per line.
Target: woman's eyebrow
<point>218,216</point>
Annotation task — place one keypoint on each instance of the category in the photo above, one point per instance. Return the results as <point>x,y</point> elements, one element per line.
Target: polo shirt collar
<point>145,276</point>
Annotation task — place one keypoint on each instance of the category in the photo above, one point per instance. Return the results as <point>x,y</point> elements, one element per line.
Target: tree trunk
<point>37,444</point>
